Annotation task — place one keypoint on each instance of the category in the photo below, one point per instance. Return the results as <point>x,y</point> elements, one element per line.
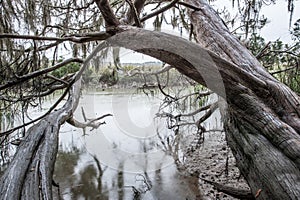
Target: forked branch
<point>94,123</point>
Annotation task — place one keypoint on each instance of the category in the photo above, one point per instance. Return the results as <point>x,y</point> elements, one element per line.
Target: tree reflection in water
<point>81,176</point>
<point>83,184</point>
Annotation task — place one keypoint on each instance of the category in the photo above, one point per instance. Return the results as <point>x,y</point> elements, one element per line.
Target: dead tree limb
<point>232,191</point>
<point>89,123</point>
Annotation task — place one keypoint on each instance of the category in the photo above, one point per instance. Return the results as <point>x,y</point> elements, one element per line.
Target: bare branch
<point>232,191</point>
<point>39,118</point>
<point>30,37</point>
<point>262,51</point>
<point>138,6</point>
<point>135,13</point>
<point>75,79</point>
<point>76,38</point>
<point>90,123</point>
<point>57,79</point>
<point>107,13</point>
<point>163,9</point>
<point>198,94</point>
<point>283,70</point>
<point>212,108</point>
<point>189,5</point>
<point>194,112</point>
<point>139,72</point>
<point>38,73</point>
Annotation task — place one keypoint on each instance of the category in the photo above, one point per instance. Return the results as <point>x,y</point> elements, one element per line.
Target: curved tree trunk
<point>262,121</point>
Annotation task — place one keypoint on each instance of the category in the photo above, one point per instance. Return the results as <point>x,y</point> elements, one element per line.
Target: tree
<point>262,116</point>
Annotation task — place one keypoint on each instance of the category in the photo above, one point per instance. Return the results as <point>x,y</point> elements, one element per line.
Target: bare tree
<point>262,117</point>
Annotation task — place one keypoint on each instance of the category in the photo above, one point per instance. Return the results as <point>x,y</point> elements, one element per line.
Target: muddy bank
<point>213,161</point>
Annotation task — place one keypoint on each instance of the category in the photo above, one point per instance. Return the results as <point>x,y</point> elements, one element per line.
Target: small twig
<point>163,70</point>
<point>194,113</point>
<point>163,9</point>
<point>83,114</point>
<point>77,39</point>
<point>162,91</point>
<point>262,51</point>
<point>57,79</point>
<point>189,6</point>
<point>198,94</point>
<point>212,108</point>
<point>283,70</point>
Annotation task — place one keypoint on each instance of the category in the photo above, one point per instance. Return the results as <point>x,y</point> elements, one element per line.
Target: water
<point>132,156</point>
<point>124,158</point>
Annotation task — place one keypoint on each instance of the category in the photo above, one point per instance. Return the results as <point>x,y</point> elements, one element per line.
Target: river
<point>133,155</point>
<point>125,157</point>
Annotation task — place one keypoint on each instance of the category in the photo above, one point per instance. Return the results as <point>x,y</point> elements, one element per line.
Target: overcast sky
<point>277,14</point>
<point>277,28</point>
<point>279,21</point>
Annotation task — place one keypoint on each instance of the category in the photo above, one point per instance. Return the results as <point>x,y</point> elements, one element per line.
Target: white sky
<point>277,28</point>
<point>277,14</point>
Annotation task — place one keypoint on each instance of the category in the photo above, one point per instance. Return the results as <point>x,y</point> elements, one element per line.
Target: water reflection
<point>120,160</point>
<point>79,175</point>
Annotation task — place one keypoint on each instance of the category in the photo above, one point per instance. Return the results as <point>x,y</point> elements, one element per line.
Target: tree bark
<point>265,140</point>
<point>29,175</point>
<point>263,123</point>
<point>262,119</point>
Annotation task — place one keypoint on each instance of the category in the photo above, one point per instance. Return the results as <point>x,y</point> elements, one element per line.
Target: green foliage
<point>256,43</point>
<point>67,69</point>
<point>203,100</point>
<point>296,30</point>
<point>109,76</point>
<point>280,59</point>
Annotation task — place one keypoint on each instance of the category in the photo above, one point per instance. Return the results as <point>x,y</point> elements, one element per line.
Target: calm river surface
<point>123,158</point>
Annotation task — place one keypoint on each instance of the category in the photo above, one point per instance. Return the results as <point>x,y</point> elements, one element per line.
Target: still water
<point>122,159</point>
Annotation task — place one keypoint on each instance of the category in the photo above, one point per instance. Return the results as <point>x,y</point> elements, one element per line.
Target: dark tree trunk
<point>263,117</point>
